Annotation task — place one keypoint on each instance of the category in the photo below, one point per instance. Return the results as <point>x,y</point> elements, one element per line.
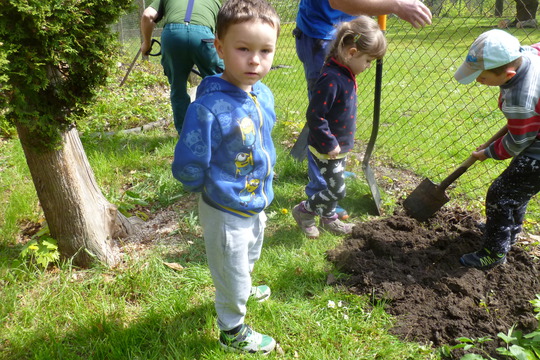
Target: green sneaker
<point>482,259</point>
<point>260,293</point>
<point>247,340</point>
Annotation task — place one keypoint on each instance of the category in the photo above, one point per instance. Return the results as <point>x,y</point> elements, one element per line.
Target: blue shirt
<point>317,19</point>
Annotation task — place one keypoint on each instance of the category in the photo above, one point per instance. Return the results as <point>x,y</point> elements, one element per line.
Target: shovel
<point>368,172</point>
<point>137,56</point>
<point>428,197</point>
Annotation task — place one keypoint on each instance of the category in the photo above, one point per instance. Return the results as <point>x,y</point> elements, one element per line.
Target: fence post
<point>499,6</point>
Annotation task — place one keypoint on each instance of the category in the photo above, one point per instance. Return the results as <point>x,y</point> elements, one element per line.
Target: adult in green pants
<point>187,40</point>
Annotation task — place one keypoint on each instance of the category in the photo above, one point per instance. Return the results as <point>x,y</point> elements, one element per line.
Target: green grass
<point>18,202</point>
<point>143,309</point>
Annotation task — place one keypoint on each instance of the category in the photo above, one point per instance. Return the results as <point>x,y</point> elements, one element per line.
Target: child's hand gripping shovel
<point>429,197</point>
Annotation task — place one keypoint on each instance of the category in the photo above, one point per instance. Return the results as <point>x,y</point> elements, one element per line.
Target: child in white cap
<point>496,58</point>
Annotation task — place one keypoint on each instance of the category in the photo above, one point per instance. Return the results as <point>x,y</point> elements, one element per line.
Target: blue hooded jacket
<point>225,149</point>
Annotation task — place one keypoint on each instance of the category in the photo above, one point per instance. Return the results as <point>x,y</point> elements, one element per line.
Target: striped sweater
<point>519,101</point>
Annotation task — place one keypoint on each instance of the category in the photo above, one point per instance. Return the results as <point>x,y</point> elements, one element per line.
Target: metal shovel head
<point>372,182</point>
<point>425,200</point>
<point>299,149</point>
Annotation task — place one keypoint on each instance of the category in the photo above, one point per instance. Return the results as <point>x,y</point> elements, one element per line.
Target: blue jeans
<point>311,53</point>
<point>183,46</point>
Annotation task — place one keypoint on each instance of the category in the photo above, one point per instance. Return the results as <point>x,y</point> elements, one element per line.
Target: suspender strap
<point>189,11</point>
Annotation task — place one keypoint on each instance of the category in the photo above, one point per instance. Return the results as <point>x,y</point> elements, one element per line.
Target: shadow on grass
<point>157,335</point>
<point>10,256</point>
<point>129,145</point>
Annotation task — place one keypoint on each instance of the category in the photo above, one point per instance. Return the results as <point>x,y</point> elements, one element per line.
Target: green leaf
<point>31,246</point>
<point>50,243</point>
<point>140,202</point>
<point>132,194</point>
<point>484,339</point>
<point>535,335</point>
<point>472,357</point>
<point>44,262</point>
<point>43,231</point>
<point>507,339</point>
<point>521,354</point>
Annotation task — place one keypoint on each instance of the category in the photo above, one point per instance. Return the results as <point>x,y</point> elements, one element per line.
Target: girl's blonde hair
<point>363,33</point>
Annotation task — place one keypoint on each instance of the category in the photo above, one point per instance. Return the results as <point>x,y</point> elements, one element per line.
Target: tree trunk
<point>80,219</point>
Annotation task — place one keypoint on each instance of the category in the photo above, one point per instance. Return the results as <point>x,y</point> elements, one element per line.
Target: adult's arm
<point>412,11</point>
<point>147,27</point>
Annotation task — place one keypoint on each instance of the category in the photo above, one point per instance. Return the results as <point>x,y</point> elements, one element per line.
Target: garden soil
<point>413,269</point>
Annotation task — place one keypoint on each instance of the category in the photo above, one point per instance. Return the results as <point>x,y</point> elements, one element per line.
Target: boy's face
<point>248,51</point>
<point>489,78</point>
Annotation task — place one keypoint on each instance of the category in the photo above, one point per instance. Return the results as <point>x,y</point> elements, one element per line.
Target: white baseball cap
<point>490,50</point>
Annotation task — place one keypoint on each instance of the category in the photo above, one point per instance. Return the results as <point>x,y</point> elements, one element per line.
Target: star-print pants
<point>324,202</point>
<point>507,200</point>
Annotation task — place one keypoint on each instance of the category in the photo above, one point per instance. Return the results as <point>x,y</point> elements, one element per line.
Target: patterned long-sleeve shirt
<point>519,100</point>
<point>331,114</point>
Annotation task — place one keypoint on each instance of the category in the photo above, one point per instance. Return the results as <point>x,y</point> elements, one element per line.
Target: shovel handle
<point>467,163</point>
<point>376,102</point>
<point>381,19</point>
<point>457,173</point>
<point>130,67</point>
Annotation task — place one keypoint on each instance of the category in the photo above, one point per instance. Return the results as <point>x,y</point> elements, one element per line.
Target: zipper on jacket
<point>268,160</point>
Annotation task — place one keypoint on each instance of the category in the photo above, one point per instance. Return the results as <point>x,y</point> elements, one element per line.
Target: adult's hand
<point>412,11</point>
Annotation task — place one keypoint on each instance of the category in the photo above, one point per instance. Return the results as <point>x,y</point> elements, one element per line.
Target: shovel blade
<point>425,200</point>
<point>372,182</point>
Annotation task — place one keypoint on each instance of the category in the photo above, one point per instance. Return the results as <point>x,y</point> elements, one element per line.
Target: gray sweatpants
<point>233,245</point>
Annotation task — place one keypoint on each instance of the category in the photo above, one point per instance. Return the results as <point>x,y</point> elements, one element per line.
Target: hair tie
<point>356,37</point>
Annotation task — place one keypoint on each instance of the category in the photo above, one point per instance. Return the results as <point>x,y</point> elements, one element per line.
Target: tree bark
<point>80,219</point>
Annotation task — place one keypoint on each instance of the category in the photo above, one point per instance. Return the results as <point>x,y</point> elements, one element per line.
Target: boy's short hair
<point>240,11</point>
<point>501,69</point>
<point>491,50</point>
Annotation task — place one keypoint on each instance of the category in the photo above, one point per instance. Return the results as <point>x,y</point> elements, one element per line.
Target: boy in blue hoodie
<point>225,152</point>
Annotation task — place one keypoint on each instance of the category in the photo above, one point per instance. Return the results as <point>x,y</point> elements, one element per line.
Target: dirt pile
<point>414,268</point>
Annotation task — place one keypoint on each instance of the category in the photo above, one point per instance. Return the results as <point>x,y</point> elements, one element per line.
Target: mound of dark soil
<point>414,268</point>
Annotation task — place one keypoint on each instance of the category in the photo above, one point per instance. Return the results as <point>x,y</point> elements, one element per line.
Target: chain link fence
<point>429,123</point>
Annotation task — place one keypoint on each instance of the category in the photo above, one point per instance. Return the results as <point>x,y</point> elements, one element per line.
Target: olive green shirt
<point>204,12</point>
